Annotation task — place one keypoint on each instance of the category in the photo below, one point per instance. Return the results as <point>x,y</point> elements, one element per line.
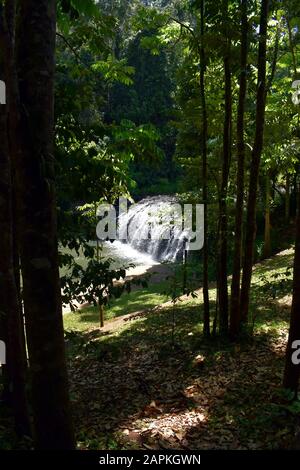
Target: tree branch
<point>71,48</point>
<point>183,25</point>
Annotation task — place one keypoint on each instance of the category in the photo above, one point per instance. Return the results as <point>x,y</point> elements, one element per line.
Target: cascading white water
<point>154,226</point>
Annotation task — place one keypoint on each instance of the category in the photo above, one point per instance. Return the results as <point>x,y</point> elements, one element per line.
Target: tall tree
<point>39,251</point>
<point>255,162</point>
<point>206,324</point>
<point>227,142</point>
<point>292,370</point>
<point>10,305</point>
<point>240,177</point>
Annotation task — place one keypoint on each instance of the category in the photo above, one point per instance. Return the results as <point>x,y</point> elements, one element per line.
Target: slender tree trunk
<point>101,315</point>
<point>10,305</point>
<point>294,195</point>
<point>39,251</point>
<point>223,276</point>
<point>255,164</point>
<point>235,314</point>
<point>206,323</point>
<point>292,370</point>
<point>287,198</point>
<point>267,240</point>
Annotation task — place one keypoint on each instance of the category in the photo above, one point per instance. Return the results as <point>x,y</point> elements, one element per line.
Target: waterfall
<point>154,226</point>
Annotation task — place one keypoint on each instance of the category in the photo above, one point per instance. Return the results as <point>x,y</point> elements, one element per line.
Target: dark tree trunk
<point>15,148</point>
<point>292,371</point>
<point>227,137</point>
<point>294,195</point>
<point>13,123</point>
<point>255,163</point>
<point>235,314</point>
<point>287,198</point>
<point>206,316</point>
<point>267,238</point>
<point>9,298</point>
<point>101,315</point>
<point>10,305</point>
<point>38,238</point>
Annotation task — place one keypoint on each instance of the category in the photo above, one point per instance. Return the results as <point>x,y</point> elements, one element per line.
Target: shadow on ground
<point>138,388</point>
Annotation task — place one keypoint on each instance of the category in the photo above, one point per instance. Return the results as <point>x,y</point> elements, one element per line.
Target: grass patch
<point>271,281</point>
<point>140,299</point>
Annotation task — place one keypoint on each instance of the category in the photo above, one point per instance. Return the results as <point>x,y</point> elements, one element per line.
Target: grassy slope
<point>137,300</point>
<point>144,391</point>
<point>271,281</point>
<point>133,388</point>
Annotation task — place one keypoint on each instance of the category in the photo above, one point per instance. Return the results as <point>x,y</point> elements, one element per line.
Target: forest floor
<point>146,389</point>
<point>136,385</point>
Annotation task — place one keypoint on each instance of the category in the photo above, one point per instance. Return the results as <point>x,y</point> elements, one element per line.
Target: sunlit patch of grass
<point>141,299</point>
<point>265,316</point>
